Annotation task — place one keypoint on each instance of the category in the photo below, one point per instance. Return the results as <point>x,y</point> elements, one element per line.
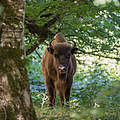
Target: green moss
<point>1,9</point>
<point>7,113</point>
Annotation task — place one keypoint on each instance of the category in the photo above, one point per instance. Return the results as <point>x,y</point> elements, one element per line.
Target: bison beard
<point>58,67</point>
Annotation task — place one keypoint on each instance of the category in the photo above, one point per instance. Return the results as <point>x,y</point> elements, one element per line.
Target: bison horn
<point>74,49</point>
<point>50,44</point>
<point>74,43</point>
<point>50,47</point>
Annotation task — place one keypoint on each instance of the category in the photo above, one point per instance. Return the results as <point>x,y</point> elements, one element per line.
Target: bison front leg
<point>67,93</point>
<point>51,92</point>
<point>61,98</point>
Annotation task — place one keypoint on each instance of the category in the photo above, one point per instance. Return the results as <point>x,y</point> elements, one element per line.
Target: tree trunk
<point>15,100</point>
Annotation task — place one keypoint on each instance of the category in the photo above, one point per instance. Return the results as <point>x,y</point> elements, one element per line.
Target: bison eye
<point>56,55</point>
<point>68,56</point>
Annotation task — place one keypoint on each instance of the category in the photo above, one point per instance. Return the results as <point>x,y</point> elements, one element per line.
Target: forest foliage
<point>95,27</point>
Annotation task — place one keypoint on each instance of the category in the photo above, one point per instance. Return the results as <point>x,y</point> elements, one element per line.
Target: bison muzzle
<point>58,67</point>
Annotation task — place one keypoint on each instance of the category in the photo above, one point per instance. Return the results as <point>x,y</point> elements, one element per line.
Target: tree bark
<point>15,100</point>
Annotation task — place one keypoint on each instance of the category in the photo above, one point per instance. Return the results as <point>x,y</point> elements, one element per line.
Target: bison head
<point>62,53</point>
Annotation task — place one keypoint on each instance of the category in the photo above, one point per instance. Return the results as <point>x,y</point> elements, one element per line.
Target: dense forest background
<point>95,26</point>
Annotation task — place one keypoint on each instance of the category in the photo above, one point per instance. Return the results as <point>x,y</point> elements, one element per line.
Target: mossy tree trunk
<point>15,100</point>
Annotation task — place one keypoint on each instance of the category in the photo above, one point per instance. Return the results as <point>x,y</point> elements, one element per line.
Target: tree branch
<point>41,31</point>
<point>52,21</point>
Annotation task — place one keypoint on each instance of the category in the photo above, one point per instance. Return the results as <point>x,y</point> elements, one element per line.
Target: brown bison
<point>58,67</point>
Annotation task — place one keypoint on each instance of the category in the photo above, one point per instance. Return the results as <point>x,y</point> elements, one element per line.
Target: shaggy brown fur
<point>58,67</point>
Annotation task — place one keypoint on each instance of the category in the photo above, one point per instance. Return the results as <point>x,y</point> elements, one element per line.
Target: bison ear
<point>74,50</point>
<point>51,50</point>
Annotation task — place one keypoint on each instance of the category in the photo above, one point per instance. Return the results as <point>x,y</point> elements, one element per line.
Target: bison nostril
<point>62,68</point>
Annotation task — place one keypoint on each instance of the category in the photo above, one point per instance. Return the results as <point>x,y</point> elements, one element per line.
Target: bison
<point>58,67</point>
